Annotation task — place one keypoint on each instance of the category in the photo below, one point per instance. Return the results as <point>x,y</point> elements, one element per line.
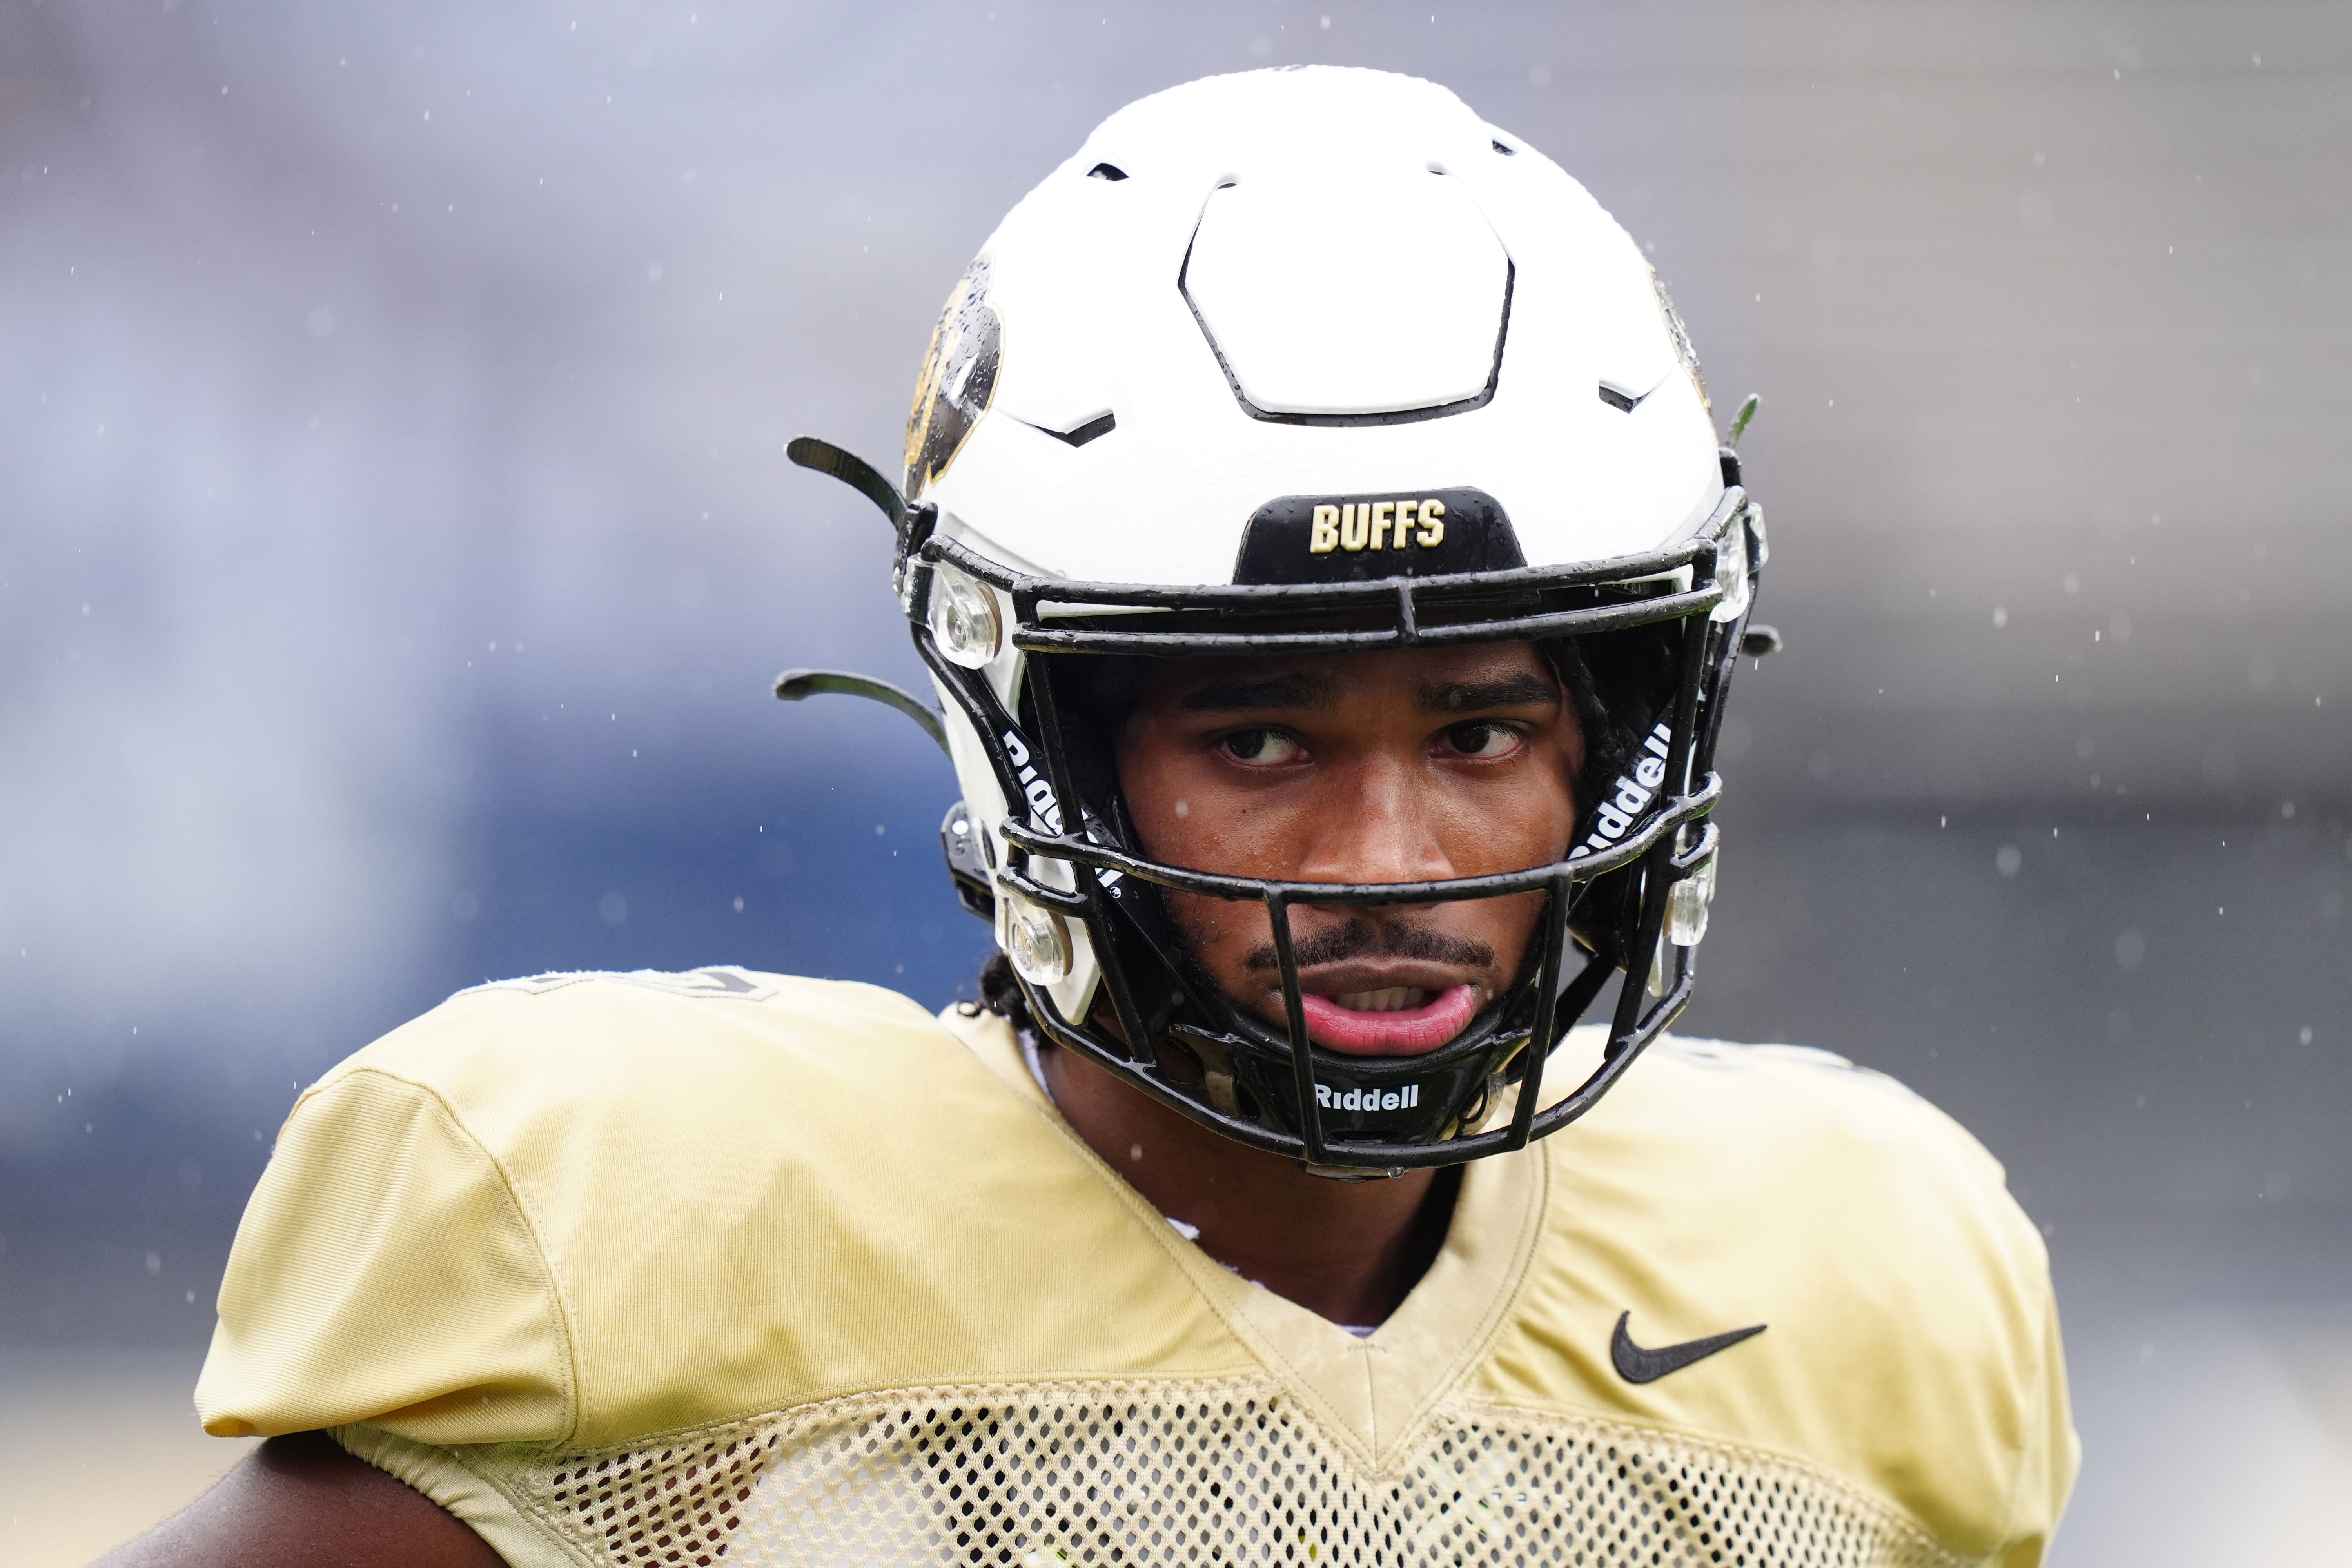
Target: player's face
<point>1373,767</point>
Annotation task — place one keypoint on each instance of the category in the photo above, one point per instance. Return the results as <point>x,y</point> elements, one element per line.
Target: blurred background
<point>396,544</point>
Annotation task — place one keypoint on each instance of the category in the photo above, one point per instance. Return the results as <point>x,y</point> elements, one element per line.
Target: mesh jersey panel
<point>1151,1473</point>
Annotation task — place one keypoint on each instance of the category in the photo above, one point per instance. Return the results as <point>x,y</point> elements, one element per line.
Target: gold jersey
<point>731,1268</point>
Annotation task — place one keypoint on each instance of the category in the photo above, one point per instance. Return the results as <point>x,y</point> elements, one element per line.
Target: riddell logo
<point>1369,524</point>
<point>1620,811</point>
<point>1043,806</point>
<point>1403,1099</point>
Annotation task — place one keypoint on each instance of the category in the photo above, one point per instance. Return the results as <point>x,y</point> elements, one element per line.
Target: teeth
<point>1391,999</point>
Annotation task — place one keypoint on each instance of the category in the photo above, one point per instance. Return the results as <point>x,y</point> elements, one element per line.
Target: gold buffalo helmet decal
<point>958,379</point>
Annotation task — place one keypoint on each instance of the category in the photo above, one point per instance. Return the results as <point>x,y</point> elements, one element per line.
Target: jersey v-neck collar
<point>1371,1392</point>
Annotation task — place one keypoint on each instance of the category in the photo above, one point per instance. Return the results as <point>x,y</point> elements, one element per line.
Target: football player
<point>1314,525</point>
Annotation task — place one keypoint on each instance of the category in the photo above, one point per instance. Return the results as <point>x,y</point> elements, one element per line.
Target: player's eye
<point>1484,738</point>
<point>1260,747</point>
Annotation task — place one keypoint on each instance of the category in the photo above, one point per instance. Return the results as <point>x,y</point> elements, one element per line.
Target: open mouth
<point>1395,1021</point>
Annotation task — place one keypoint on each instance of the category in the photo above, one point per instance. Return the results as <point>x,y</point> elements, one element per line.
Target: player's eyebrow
<point>1298,688</point>
<point>1522,690</point>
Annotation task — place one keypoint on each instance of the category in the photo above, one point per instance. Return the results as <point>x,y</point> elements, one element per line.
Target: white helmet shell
<point>1282,283</point>
<point>1291,273</point>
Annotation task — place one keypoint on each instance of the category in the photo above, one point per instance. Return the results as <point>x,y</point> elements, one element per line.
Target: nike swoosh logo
<point>1635,1364</point>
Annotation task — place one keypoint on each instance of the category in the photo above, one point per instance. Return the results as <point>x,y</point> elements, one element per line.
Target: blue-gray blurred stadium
<point>396,548</point>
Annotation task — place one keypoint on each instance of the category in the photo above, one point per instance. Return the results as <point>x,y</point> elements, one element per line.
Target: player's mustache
<point>1360,938</point>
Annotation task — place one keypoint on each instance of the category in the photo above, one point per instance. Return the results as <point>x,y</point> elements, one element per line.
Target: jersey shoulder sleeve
<point>384,1271</point>
<point>411,1257</point>
<point>581,1210</point>
<point>1910,1339</point>
<point>1937,1280</point>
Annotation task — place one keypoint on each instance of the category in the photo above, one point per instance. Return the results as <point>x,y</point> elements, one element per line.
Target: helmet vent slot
<point>1505,151</point>
<point>1079,435</point>
<point>1107,172</point>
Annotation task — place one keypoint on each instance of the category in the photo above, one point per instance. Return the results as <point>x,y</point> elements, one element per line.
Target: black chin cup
<point>1410,1103</point>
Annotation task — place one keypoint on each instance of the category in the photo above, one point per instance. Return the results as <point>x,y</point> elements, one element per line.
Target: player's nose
<point>1374,827</point>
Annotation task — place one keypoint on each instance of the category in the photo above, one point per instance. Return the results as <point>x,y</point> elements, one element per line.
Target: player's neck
<point>1348,1251</point>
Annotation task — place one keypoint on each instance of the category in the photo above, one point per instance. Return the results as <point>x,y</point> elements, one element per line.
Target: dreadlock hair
<point>1000,993</point>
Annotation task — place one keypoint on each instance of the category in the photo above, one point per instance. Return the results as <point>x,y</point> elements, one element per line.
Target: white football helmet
<point>1316,359</point>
